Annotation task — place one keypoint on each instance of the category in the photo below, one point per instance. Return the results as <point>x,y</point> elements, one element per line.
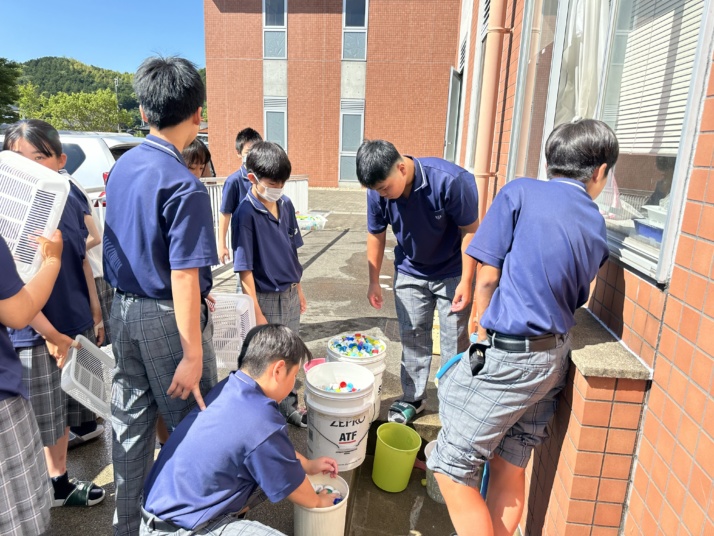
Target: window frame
<point>276,29</point>
<point>349,107</point>
<point>274,107</point>
<point>354,29</point>
<point>658,269</point>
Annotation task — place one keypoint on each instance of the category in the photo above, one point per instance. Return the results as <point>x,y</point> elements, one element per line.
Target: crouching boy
<point>540,246</point>
<point>207,471</point>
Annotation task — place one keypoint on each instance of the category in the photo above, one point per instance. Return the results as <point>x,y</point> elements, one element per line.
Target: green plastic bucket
<point>397,447</point>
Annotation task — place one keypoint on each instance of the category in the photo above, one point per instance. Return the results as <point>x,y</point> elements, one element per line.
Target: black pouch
<point>477,356</point>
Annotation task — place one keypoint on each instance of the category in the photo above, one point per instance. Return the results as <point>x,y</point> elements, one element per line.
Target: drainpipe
<point>489,101</point>
<point>487,111</point>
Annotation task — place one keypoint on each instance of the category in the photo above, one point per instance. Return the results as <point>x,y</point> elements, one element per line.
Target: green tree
<point>30,102</point>
<point>9,74</point>
<point>85,111</point>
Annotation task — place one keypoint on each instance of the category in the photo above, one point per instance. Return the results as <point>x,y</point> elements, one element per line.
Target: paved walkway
<point>335,284</point>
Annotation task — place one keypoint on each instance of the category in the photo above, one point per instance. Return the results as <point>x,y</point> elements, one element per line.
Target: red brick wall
<point>410,52</point>
<point>234,75</point>
<point>672,485</point>
<point>314,61</point>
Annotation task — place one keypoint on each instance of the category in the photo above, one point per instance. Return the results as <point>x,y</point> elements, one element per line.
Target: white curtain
<point>583,54</point>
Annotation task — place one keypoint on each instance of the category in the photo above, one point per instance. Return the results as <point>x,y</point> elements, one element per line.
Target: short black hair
<point>41,135</point>
<point>575,150</point>
<point>169,90</point>
<point>247,135</point>
<point>267,160</point>
<point>375,161</point>
<point>196,154</point>
<point>269,343</point>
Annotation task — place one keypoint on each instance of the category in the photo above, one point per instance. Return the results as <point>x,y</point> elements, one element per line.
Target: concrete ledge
<point>597,352</point>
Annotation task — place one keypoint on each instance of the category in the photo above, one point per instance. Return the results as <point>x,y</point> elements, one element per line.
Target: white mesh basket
<point>32,199</point>
<point>233,318</point>
<point>87,376</point>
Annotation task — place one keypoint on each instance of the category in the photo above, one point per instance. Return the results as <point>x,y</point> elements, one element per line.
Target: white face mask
<point>271,194</point>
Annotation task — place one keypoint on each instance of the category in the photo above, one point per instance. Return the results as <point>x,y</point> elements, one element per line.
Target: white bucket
<point>432,486</point>
<point>377,364</point>
<point>329,521</point>
<point>338,423</point>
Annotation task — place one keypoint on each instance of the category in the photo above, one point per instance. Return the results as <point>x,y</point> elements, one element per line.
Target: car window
<point>119,150</point>
<point>75,156</point>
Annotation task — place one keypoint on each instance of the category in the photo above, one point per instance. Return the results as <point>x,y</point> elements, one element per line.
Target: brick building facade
<point>398,92</point>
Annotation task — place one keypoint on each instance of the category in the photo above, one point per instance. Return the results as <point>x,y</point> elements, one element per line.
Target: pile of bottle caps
<point>330,491</point>
<point>357,345</point>
<point>341,387</point>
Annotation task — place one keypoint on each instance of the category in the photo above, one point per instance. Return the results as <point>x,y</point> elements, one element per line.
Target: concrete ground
<point>335,284</point>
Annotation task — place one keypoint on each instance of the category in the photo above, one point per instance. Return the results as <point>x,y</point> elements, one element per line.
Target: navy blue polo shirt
<point>235,189</point>
<point>217,457</point>
<point>268,246</point>
<point>68,308</point>
<point>158,219</point>
<point>426,224</point>
<point>10,365</point>
<point>548,239</point>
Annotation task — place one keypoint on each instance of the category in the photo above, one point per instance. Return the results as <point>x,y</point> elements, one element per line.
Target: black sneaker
<point>79,435</point>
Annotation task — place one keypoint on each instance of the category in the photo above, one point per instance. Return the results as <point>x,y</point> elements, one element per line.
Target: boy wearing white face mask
<point>266,256</point>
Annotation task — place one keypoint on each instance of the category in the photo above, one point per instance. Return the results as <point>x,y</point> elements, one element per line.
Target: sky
<point>112,34</point>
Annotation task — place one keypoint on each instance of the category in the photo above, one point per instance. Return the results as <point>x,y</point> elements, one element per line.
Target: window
<point>351,135</point>
<point>648,77</point>
<point>75,157</point>
<point>354,30</point>
<point>276,120</point>
<point>275,26</point>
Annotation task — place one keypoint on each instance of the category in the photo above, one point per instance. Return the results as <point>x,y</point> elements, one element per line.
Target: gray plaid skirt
<point>25,489</point>
<point>53,408</point>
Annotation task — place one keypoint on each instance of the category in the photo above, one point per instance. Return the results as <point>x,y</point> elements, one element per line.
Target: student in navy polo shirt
<point>266,255</point>
<point>72,309</point>
<point>197,157</point>
<point>432,206</point>
<point>205,475</point>
<point>159,247</point>
<point>24,483</point>
<point>540,246</point>
<point>235,189</point>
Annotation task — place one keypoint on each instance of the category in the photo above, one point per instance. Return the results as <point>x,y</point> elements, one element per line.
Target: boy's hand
<point>322,465</point>
<point>211,302</point>
<point>303,300</point>
<point>462,297</point>
<point>325,499</point>
<point>224,255</point>
<point>374,295</point>
<point>186,380</point>
<point>260,319</point>
<point>50,249</point>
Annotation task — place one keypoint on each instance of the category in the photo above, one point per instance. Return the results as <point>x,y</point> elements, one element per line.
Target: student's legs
<point>106,296</point>
<point>506,495</point>
<point>415,305</point>
<point>25,490</point>
<point>454,327</point>
<point>283,308</point>
<point>467,509</point>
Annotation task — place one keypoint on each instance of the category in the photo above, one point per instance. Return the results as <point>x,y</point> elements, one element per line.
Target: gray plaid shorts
<point>281,307</point>
<point>25,490</point>
<point>505,409</point>
<point>54,409</point>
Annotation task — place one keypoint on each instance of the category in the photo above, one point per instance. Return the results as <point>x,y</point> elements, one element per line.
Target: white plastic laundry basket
<point>32,198</point>
<point>87,376</point>
<point>233,318</point>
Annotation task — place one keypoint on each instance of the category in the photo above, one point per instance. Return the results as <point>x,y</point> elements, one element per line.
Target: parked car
<point>90,155</point>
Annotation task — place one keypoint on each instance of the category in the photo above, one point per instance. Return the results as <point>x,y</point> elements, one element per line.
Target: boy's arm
<point>463,294</point>
<point>305,496</point>
<point>303,299</point>
<point>57,343</point>
<point>94,302</point>
<point>486,284</point>
<point>248,284</point>
<point>322,464</point>
<point>186,293</point>
<point>95,237</point>
<point>375,255</point>
<point>223,223</point>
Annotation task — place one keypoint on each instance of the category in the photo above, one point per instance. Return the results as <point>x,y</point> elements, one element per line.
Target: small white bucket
<point>432,486</point>
<point>329,521</point>
<point>338,423</point>
<point>376,363</point>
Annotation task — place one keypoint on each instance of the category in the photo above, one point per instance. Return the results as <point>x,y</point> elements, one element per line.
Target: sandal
<point>80,495</point>
<point>405,412</point>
